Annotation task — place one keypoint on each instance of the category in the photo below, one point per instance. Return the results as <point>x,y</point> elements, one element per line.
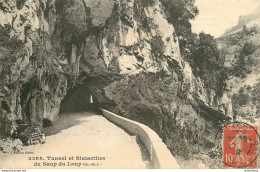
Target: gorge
<point>126,53</point>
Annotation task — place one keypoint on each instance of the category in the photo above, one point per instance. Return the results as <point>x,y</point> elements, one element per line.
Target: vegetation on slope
<point>199,50</point>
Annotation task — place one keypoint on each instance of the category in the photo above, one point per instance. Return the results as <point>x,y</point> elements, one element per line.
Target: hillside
<point>250,20</point>
<point>241,49</point>
<point>131,55</point>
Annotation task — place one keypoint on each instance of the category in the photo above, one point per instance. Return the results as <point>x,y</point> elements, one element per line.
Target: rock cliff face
<point>124,52</point>
<point>250,20</point>
<point>242,50</point>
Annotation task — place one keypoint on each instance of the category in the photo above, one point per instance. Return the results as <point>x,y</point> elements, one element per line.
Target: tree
<point>207,56</point>
<point>199,50</point>
<point>209,63</point>
<point>179,13</point>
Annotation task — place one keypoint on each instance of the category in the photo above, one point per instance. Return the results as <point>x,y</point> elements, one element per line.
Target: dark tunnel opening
<point>79,99</point>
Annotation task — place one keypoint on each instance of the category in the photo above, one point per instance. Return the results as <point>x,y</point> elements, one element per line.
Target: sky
<point>216,16</point>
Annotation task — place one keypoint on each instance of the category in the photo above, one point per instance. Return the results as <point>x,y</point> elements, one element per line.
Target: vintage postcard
<point>129,84</point>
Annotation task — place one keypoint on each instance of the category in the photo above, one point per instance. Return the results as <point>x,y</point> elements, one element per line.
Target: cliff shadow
<point>75,108</point>
<point>78,99</point>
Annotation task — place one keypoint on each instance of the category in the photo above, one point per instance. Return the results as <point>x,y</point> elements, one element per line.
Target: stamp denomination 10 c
<point>240,145</point>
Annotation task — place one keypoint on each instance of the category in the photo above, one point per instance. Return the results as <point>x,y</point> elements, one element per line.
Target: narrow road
<point>82,135</point>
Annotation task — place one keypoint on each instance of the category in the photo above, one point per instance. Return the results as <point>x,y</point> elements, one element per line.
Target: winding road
<point>82,140</point>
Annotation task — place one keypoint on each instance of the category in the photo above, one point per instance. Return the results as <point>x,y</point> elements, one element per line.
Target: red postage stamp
<point>240,146</point>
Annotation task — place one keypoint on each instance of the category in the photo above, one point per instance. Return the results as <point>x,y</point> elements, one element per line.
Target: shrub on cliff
<point>248,49</point>
<point>241,98</point>
<point>206,56</point>
<point>244,63</point>
<point>179,13</point>
<point>199,50</point>
<point>157,45</point>
<point>147,2</point>
<point>209,64</point>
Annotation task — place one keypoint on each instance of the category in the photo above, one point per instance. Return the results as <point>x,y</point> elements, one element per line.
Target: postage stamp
<point>240,145</point>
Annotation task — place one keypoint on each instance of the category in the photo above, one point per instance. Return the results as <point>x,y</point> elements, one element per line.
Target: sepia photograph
<point>129,84</point>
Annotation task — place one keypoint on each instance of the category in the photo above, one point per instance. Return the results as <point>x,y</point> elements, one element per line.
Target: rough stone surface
<point>10,146</point>
<point>124,52</point>
<point>242,42</point>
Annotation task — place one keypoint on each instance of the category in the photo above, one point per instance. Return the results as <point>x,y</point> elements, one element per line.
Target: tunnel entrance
<point>79,99</point>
